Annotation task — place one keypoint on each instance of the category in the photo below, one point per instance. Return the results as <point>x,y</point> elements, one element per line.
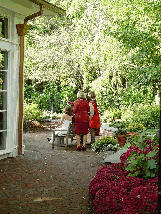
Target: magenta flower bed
<point>113,192</point>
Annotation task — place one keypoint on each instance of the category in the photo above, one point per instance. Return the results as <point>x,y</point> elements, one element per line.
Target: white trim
<point>7,13</point>
<point>11,45</point>
<point>8,41</point>
<point>3,152</point>
<point>11,152</point>
<point>5,46</point>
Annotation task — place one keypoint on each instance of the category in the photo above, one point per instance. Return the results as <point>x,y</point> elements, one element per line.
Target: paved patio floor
<point>45,180</point>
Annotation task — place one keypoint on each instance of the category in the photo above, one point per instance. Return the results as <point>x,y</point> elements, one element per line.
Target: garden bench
<point>70,133</point>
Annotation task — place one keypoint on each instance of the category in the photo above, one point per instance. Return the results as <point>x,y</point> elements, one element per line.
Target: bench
<point>70,133</point>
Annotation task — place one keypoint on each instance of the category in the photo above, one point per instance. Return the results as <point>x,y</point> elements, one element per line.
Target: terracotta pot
<point>137,134</point>
<point>133,133</point>
<point>130,133</point>
<point>121,139</point>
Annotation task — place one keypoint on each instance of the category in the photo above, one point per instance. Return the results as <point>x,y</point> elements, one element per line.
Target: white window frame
<point>6,45</point>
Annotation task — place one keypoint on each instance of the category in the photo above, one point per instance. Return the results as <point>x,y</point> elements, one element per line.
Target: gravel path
<point>45,180</point>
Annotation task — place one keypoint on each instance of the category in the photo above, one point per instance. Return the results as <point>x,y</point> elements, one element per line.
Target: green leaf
<point>151,154</point>
<point>151,164</point>
<point>130,167</point>
<point>134,174</point>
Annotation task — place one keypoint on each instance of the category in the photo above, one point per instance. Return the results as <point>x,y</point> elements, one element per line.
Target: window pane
<point>3,80</point>
<point>3,101</point>
<point>3,27</point>
<point>3,98</point>
<point>3,120</point>
<point>3,136</point>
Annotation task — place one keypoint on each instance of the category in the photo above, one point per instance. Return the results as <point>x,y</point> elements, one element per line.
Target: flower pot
<point>137,134</point>
<point>130,134</point>
<point>133,133</point>
<point>121,139</point>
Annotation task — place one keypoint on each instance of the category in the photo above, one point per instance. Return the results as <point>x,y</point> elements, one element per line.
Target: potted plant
<point>121,133</point>
<point>105,143</point>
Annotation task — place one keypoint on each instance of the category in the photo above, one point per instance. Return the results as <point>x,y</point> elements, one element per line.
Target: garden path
<point>45,180</point>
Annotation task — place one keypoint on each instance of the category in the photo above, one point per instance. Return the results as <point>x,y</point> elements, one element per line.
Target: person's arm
<point>69,102</point>
<point>75,108</point>
<point>62,119</point>
<point>91,110</point>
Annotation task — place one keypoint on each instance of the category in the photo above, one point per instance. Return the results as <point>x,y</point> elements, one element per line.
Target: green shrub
<point>31,112</point>
<point>135,127</point>
<point>105,144</point>
<point>118,124</point>
<point>111,115</point>
<point>146,114</point>
<point>143,161</point>
<point>47,93</point>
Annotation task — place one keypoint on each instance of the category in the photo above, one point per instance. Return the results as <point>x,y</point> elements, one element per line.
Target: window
<point>3,27</point>
<point>3,84</point>
<point>3,98</point>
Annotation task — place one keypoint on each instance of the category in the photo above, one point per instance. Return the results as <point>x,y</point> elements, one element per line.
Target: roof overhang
<point>28,7</point>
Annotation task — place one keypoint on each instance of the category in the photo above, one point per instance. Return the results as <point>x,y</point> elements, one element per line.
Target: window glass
<point>3,98</point>
<point>3,27</point>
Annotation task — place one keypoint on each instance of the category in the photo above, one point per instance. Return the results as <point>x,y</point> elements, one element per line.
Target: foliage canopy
<point>110,46</point>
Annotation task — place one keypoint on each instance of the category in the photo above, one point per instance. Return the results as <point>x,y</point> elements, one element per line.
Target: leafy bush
<point>146,114</point>
<point>118,124</point>
<point>104,144</point>
<point>142,157</point>
<point>47,93</point>
<point>116,190</point>
<point>111,115</point>
<point>121,126</point>
<point>31,112</point>
<point>135,127</point>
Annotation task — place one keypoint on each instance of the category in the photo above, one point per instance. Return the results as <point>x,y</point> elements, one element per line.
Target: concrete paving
<point>115,158</point>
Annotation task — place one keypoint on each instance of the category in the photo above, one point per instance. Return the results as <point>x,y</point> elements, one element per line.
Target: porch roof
<point>28,7</point>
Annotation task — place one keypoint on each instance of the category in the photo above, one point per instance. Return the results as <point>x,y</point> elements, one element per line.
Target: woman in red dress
<point>94,115</point>
<point>81,109</point>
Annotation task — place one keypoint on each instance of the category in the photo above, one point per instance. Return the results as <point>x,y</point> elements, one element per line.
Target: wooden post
<point>22,31</point>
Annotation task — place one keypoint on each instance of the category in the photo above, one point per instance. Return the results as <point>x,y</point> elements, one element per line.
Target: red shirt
<point>95,121</point>
<point>81,109</point>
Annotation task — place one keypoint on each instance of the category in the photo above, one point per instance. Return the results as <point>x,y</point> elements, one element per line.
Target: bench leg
<point>66,142</point>
<point>53,139</point>
<point>62,140</point>
<point>71,139</point>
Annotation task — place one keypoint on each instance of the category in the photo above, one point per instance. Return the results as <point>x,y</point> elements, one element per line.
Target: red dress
<point>95,121</point>
<point>81,109</point>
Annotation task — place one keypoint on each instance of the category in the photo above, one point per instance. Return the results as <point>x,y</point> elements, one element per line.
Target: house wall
<point>11,45</point>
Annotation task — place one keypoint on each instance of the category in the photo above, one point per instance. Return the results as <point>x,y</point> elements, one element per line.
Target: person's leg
<point>84,140</point>
<point>78,140</point>
<point>92,131</point>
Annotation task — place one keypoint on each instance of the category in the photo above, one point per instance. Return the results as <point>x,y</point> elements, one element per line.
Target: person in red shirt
<point>81,110</point>
<point>94,115</point>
